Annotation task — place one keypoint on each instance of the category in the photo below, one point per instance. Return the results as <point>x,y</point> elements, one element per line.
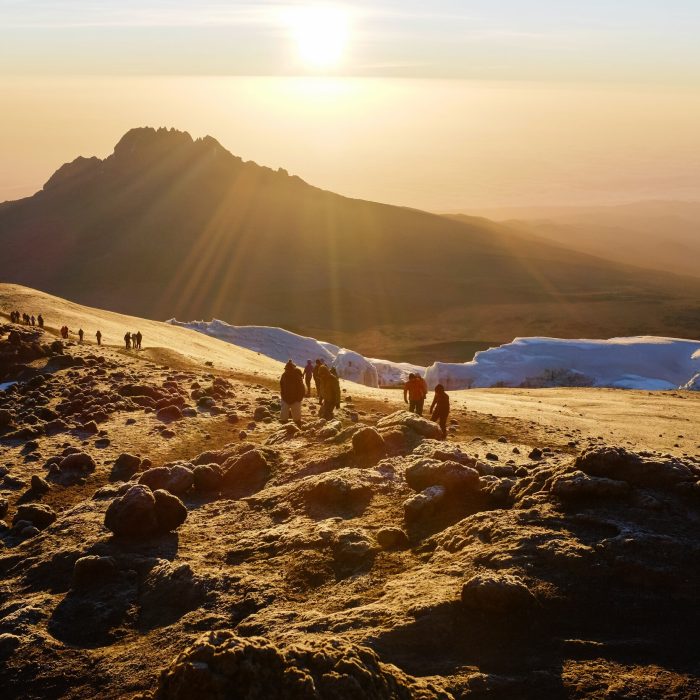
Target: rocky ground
<point>166,537</point>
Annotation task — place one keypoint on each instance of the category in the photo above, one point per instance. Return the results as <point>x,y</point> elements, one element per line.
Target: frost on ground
<point>165,537</point>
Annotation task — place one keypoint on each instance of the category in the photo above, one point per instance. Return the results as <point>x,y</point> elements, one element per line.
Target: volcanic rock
<point>38,514</point>
<point>496,592</point>
<point>367,441</point>
<point>219,664</point>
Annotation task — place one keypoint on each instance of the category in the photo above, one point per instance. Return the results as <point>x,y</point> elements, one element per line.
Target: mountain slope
<point>656,234</point>
<point>168,225</point>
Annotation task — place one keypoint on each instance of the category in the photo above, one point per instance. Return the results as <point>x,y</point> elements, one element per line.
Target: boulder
<point>497,489</point>
<point>221,663</point>
<point>248,472</point>
<point>443,452</point>
<point>496,592</point>
<point>454,477</point>
<point>367,441</point>
<point>133,514</point>
<point>261,412</point>
<point>577,485</point>
<point>352,548</point>
<point>38,486</point>
<point>169,413</point>
<point>176,478</point>
<point>423,504</point>
<point>56,426</point>
<point>287,432</point>
<point>392,538</point>
<point>93,571</point>
<point>329,430</point>
<point>77,462</point>
<point>420,426</point>
<point>8,644</point>
<point>168,592</point>
<point>125,466</point>
<point>337,492</point>
<point>636,469</point>
<point>170,511</point>
<point>37,514</point>
<point>207,477</point>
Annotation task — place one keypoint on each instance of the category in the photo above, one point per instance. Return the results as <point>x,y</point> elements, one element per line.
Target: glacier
<point>642,362</point>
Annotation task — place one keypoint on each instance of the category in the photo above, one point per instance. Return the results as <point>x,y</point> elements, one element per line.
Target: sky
<point>447,105</point>
<point>630,40</point>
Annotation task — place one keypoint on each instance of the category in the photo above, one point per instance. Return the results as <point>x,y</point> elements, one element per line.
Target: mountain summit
<point>171,226</point>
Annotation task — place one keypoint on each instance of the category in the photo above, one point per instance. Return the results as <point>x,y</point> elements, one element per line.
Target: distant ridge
<point>171,226</point>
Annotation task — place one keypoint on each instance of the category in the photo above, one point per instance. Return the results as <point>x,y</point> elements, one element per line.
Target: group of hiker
<point>415,391</point>
<point>133,340</point>
<point>26,319</point>
<point>295,386</point>
<point>64,331</point>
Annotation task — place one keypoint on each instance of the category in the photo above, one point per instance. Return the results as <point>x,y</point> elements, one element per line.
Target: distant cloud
<point>127,13</point>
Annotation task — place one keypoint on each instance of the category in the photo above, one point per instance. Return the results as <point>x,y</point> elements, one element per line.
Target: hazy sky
<point>631,40</point>
<point>443,105</point>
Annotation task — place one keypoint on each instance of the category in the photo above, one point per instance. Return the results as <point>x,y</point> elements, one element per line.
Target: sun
<point>320,33</point>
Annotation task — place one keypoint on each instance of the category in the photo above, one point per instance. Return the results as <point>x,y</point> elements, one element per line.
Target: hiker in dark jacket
<point>81,335</point>
<point>317,381</point>
<point>329,386</point>
<point>40,320</point>
<point>139,338</point>
<point>308,376</point>
<point>127,340</point>
<point>98,335</point>
<point>440,408</point>
<point>292,392</point>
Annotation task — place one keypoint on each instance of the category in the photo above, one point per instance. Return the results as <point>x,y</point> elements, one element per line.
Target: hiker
<point>317,381</point>
<point>329,386</point>
<point>127,340</point>
<point>40,320</point>
<point>292,393</point>
<point>414,394</point>
<point>64,332</point>
<point>33,320</point>
<point>98,335</point>
<point>308,376</point>
<point>440,409</point>
<point>424,386</point>
<point>139,338</point>
<point>81,334</point>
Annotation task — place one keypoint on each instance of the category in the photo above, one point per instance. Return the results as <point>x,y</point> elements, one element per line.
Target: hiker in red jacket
<point>414,393</point>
